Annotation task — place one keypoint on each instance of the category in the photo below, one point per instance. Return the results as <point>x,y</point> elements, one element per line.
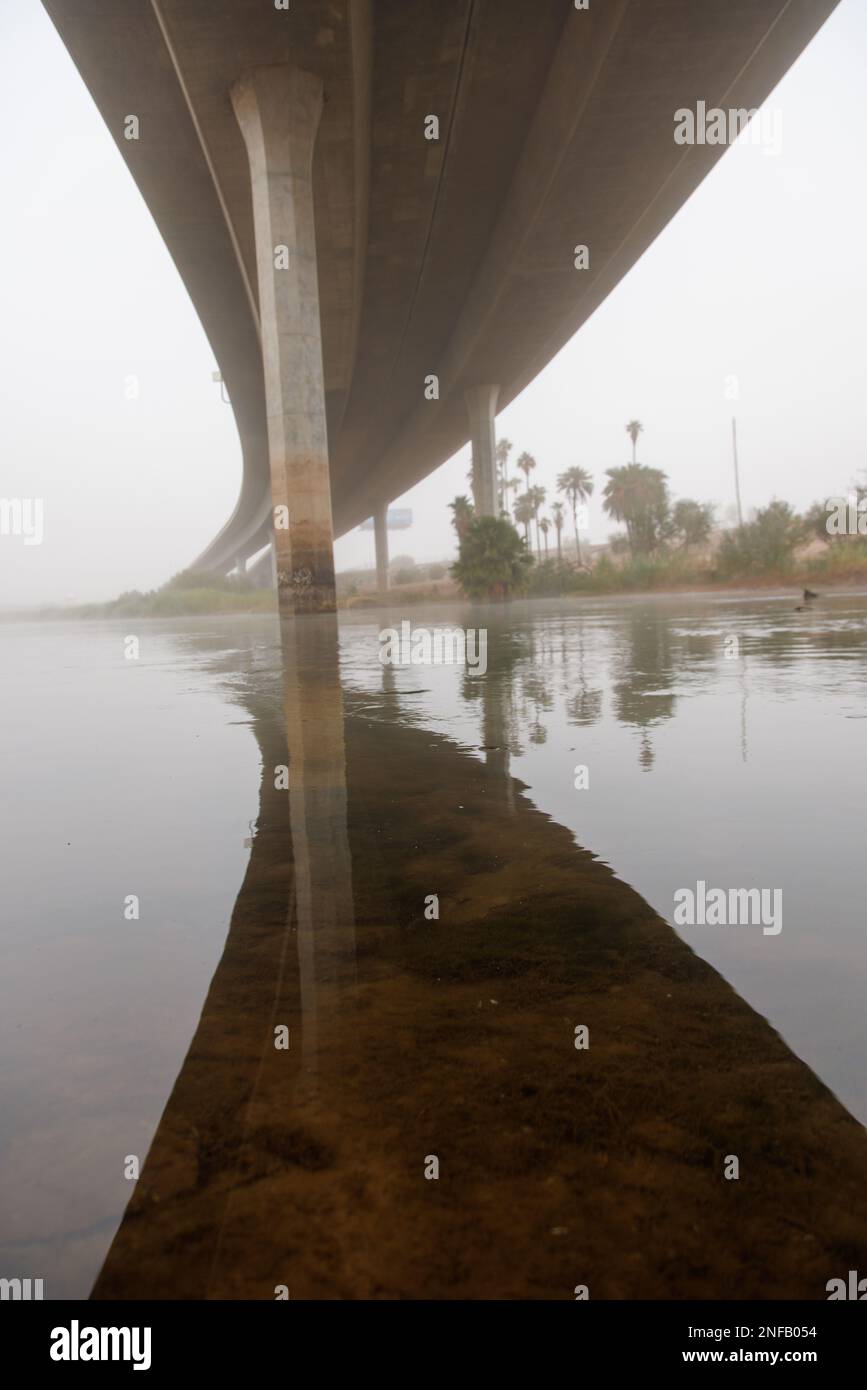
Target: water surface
<point>143,777</point>
<point>743,771</point>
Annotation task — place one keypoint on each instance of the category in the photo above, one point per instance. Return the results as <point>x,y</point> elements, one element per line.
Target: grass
<point>171,602</point>
<point>838,563</point>
<point>187,593</point>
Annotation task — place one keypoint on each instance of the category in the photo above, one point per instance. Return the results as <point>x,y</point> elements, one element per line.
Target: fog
<point>110,414</point>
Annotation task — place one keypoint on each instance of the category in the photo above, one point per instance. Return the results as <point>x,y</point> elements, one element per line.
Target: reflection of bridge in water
<point>411,1037</point>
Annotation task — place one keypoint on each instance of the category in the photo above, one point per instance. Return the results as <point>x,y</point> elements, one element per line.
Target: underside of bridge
<point>375,283</point>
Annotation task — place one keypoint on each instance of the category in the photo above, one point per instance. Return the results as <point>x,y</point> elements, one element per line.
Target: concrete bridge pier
<point>278,109</point>
<point>380,538</point>
<point>482,409</point>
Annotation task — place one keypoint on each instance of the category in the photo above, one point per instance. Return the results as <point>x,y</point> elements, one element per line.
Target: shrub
<point>764,545</point>
<point>494,562</point>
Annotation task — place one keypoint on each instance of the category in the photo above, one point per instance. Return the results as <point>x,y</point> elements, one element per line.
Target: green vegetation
<point>190,591</point>
<point>691,522</point>
<point>577,485</point>
<point>638,496</point>
<point>665,544</point>
<point>767,543</point>
<point>462,511</point>
<point>524,515</point>
<point>494,562</point>
<point>675,570</point>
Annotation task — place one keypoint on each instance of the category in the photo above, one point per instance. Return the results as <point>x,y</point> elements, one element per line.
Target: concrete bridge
<point>377,207</point>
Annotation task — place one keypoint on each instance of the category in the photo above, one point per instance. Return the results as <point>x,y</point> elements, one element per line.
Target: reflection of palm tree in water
<point>525,672</point>
<point>584,706</point>
<point>525,669</point>
<point>537,698</point>
<point>583,701</point>
<point>646,667</point>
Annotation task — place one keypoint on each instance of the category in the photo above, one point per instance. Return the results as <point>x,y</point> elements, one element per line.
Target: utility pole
<point>737,479</point>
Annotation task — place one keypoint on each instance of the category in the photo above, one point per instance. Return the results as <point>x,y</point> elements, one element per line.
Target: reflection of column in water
<point>313,704</point>
<point>389,686</point>
<point>495,734</point>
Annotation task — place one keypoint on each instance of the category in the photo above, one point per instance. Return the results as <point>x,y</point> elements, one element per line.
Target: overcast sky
<point>761,276</point>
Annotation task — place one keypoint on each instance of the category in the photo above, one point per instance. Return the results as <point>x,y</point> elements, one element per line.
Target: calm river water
<point>737,762</point>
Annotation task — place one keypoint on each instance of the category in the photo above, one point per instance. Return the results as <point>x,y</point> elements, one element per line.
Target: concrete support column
<point>482,409</point>
<point>380,537</point>
<point>278,109</point>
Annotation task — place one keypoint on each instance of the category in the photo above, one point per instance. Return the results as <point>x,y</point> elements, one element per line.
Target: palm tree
<point>557,512</point>
<point>577,484</point>
<point>526,463</point>
<point>494,562</point>
<point>508,484</point>
<point>537,497</point>
<point>638,496</point>
<point>462,514</point>
<point>504,448</point>
<point>617,496</point>
<point>545,527</point>
<point>633,429</point>
<point>523,510</point>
